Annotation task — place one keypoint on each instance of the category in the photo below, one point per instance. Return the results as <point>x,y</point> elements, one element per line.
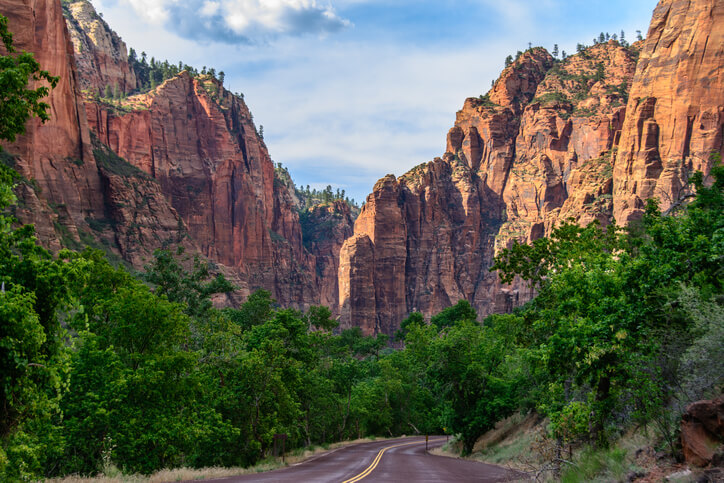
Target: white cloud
<point>209,9</point>
<point>233,21</point>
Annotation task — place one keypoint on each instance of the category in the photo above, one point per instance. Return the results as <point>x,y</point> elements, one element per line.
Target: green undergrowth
<point>530,449</point>
<point>598,465</point>
<point>509,452</point>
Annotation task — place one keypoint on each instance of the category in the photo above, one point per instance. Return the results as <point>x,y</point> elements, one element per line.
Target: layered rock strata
<point>72,197</point>
<point>180,165</point>
<point>199,143</point>
<point>675,115</point>
<point>588,138</point>
<point>100,54</point>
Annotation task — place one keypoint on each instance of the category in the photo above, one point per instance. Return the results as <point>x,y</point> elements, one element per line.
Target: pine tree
<point>508,60</point>
<point>555,51</point>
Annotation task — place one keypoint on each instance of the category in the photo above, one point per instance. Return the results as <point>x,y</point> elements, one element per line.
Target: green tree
<point>33,358</point>
<point>460,312</point>
<point>17,102</point>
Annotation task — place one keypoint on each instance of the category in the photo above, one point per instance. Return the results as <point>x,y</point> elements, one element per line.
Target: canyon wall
<point>588,137</point>
<point>74,190</point>
<point>182,164</point>
<point>100,54</point>
<point>198,141</point>
<point>676,106</point>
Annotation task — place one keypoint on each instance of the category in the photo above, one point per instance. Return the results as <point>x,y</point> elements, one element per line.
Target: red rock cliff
<point>58,154</point>
<point>199,142</point>
<point>199,173</point>
<point>550,141</point>
<point>208,174</point>
<point>676,106</point>
<point>73,197</point>
<point>100,54</point>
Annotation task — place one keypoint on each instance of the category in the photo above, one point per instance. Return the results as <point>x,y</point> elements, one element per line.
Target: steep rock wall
<point>100,54</point>
<point>199,142</point>
<point>676,106</point>
<point>589,138</point>
<point>57,155</point>
<point>75,192</point>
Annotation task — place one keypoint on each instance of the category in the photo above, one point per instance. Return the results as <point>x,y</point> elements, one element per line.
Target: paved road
<point>395,460</point>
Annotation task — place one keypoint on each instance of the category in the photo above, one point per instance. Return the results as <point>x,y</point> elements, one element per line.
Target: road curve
<point>394,460</point>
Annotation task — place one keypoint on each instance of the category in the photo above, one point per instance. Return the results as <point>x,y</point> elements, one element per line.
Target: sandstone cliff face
<point>325,228</point>
<point>198,141</point>
<point>199,175</point>
<point>550,141</point>
<point>100,54</point>
<point>57,154</point>
<point>71,197</point>
<point>675,115</point>
<point>565,144</point>
<point>426,239</point>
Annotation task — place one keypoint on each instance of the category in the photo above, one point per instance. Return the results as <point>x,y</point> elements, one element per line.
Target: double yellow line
<point>377,459</point>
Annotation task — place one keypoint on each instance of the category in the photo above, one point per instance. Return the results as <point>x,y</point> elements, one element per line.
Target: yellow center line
<point>377,459</point>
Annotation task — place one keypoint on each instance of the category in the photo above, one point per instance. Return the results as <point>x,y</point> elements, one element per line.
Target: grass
<point>520,444</point>
<point>551,98</point>
<point>508,452</point>
<point>113,163</point>
<point>598,465</point>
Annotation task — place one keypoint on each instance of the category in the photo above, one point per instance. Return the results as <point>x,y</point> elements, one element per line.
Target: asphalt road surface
<point>398,460</point>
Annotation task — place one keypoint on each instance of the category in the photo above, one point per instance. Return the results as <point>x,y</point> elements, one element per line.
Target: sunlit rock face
<point>587,138</point>
<point>182,164</point>
<point>676,106</point>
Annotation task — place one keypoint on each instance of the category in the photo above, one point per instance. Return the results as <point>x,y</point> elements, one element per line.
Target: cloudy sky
<point>350,90</point>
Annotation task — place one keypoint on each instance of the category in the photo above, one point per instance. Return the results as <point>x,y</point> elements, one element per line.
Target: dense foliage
<point>150,73</point>
<point>617,331</point>
<point>100,367</point>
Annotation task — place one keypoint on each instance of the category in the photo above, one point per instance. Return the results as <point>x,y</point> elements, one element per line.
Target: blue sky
<point>350,90</point>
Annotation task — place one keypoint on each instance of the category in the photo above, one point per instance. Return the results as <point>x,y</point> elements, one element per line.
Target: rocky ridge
<point>100,54</point>
<point>551,141</point>
<point>590,137</point>
<point>182,164</point>
<point>675,111</point>
<point>198,141</point>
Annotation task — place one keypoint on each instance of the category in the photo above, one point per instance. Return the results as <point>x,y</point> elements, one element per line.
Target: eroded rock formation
<point>589,138</point>
<point>702,432</point>
<point>180,165</point>
<point>72,196</point>
<point>676,106</point>
<point>100,54</point>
